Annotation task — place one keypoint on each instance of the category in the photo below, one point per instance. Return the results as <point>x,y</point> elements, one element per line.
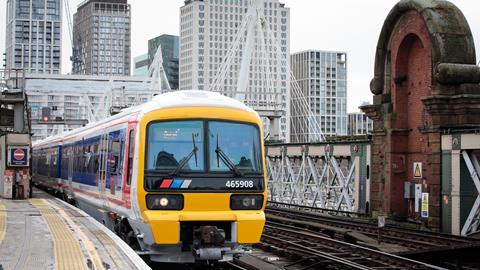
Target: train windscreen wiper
<point>222,156</point>
<point>186,159</point>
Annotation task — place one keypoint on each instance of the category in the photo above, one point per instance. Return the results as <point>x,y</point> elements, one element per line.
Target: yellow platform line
<point>68,253</point>
<point>89,246</point>
<point>3,221</point>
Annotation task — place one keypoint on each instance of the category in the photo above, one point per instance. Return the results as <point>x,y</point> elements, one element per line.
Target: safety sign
<point>417,170</point>
<point>424,212</point>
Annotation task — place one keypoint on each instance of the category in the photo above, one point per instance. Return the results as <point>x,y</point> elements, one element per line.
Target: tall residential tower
<point>322,77</point>
<point>101,37</point>
<point>209,28</point>
<point>33,35</point>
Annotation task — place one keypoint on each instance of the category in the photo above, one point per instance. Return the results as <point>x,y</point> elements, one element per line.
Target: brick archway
<point>410,56</point>
<point>425,61</point>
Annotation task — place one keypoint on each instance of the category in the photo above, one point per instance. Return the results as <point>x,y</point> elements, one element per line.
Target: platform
<point>47,233</point>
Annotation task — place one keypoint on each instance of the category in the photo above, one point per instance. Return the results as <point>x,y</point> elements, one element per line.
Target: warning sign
<point>417,170</point>
<point>424,212</point>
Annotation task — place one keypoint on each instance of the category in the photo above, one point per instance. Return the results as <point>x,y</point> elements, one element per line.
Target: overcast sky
<point>343,25</point>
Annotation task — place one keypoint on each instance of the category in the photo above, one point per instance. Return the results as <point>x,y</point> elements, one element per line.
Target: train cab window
<point>239,143</point>
<point>131,149</point>
<point>170,144</point>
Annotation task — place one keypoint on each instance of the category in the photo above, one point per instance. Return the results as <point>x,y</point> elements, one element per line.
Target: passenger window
<point>115,157</point>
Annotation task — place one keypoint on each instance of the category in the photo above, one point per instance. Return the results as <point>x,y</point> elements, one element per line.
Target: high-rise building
<point>101,37</point>
<point>359,124</point>
<point>170,52</point>
<point>322,78</point>
<point>33,35</point>
<point>208,28</point>
<point>140,65</point>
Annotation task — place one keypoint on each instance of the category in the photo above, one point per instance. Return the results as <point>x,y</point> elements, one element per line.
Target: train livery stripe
<point>68,253</point>
<point>166,183</point>
<point>3,221</point>
<point>96,195</point>
<point>186,183</point>
<point>177,183</point>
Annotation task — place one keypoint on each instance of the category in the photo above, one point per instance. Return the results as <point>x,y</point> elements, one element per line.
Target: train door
<point>116,145</point>
<point>102,171</point>
<point>69,159</point>
<point>128,168</point>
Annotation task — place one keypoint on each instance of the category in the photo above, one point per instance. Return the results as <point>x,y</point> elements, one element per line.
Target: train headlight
<point>165,201</point>
<point>246,202</point>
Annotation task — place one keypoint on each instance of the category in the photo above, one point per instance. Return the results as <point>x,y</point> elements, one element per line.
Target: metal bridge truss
<point>304,124</point>
<point>156,71</point>
<point>323,175</point>
<point>472,224</point>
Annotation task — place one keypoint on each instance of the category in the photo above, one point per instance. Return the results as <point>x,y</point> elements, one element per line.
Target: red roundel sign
<point>18,154</point>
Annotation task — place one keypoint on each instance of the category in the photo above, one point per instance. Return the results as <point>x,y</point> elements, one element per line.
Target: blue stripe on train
<point>177,183</point>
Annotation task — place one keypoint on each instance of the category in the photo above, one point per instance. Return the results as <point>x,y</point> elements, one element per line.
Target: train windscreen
<point>203,155</point>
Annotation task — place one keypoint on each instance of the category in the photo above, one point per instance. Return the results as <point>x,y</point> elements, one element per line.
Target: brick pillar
<point>425,58</point>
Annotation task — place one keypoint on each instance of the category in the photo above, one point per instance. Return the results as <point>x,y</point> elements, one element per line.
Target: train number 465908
<point>239,184</point>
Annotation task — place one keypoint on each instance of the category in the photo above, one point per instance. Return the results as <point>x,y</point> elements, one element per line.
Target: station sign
<point>18,156</point>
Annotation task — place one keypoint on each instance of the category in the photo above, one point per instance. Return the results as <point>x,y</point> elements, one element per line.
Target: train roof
<point>174,99</point>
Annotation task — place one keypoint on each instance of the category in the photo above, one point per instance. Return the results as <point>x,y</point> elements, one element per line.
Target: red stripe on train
<point>123,203</point>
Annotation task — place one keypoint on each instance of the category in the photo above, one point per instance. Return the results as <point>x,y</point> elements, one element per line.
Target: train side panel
<point>90,168</point>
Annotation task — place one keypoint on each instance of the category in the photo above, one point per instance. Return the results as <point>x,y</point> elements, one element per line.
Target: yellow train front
<point>180,178</point>
<point>201,181</point>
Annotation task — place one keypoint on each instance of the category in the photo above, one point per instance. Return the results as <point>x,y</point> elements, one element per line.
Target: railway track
<point>316,251</point>
<point>341,228</point>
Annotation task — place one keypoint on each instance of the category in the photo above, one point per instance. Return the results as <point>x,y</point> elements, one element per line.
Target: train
<point>181,178</point>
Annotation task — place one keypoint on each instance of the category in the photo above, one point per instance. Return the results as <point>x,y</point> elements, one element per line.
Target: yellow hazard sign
<point>424,212</point>
<point>417,170</point>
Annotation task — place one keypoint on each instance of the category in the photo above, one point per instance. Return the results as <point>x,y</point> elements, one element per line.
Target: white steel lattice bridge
<point>327,175</point>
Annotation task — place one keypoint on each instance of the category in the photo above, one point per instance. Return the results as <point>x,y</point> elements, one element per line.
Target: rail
<point>323,251</point>
<point>410,238</point>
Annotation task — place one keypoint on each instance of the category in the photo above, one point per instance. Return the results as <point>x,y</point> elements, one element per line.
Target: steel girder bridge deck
<point>328,175</point>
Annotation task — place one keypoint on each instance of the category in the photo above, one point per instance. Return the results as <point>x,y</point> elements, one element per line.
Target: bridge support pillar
<point>425,84</point>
